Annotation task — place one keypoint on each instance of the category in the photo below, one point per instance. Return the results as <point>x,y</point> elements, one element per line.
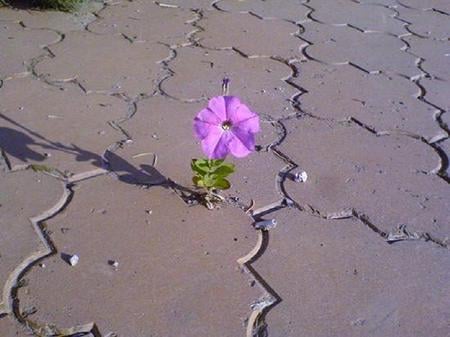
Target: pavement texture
<point>96,113</point>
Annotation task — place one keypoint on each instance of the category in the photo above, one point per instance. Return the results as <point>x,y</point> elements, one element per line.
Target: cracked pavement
<point>96,138</point>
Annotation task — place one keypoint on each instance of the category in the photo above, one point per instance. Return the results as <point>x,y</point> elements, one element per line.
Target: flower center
<point>226,125</point>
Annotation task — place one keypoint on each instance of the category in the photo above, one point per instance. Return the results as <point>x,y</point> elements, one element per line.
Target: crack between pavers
<point>10,301</point>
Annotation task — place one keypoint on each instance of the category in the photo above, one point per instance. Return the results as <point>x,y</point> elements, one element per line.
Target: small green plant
<point>225,126</point>
<point>210,175</point>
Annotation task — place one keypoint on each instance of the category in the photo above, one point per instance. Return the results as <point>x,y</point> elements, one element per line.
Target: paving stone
<point>105,63</point>
<point>290,11</point>
<point>381,177</point>
<point>441,5</point>
<point>59,21</point>
<point>437,92</point>
<point>381,102</point>
<point>427,24</point>
<point>249,34</point>
<point>65,129</point>
<point>25,194</point>
<point>20,45</point>
<point>365,17</point>
<point>267,93</point>
<point>341,45</point>
<point>164,127</point>
<point>141,21</point>
<point>435,54</point>
<point>389,3</point>
<point>180,278</point>
<point>338,278</point>
<point>11,328</point>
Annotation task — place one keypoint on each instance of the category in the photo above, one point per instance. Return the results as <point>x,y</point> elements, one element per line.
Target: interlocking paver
<point>441,5</point>
<point>24,195</point>
<point>342,281</point>
<point>65,129</point>
<point>59,21</point>
<point>365,17</point>
<point>434,53</point>
<point>267,93</point>
<point>140,22</point>
<point>105,63</point>
<point>427,24</point>
<point>290,11</point>
<point>164,127</point>
<point>249,34</point>
<point>11,328</point>
<point>370,51</point>
<point>117,86</point>
<point>19,45</point>
<point>434,92</point>
<point>386,178</point>
<point>350,93</point>
<point>179,278</point>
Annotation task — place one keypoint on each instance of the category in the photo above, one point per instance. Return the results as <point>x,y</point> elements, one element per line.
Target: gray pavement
<point>96,113</point>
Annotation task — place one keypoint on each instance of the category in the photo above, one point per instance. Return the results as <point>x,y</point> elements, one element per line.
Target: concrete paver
<point>290,11</point>
<point>132,70</point>
<point>394,108</point>
<point>342,45</point>
<point>34,130</point>
<point>195,67</point>
<point>249,35</point>
<point>100,103</point>
<point>352,284</point>
<point>433,52</point>
<point>141,23</point>
<point>385,177</point>
<point>426,24</point>
<point>440,5</point>
<point>19,45</point>
<point>367,18</point>
<point>57,21</point>
<point>28,195</point>
<point>179,278</point>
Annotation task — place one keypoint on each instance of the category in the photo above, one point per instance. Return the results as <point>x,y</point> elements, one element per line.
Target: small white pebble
<point>300,177</point>
<point>74,259</point>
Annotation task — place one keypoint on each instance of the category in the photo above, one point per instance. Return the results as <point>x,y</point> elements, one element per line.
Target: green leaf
<point>198,181</point>
<point>209,180</point>
<point>222,184</point>
<point>199,166</point>
<point>224,170</point>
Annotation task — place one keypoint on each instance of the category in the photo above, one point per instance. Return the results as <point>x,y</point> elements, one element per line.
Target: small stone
<point>265,225</point>
<point>114,264</point>
<point>148,211</point>
<point>300,177</point>
<point>42,265</point>
<point>74,259</point>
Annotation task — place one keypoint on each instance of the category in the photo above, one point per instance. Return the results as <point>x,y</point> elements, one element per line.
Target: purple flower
<point>225,126</point>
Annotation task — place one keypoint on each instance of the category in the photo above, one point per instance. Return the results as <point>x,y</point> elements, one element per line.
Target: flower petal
<point>232,104</point>
<point>241,116</point>
<point>203,129</point>
<point>217,106</point>
<point>204,121</point>
<point>250,124</point>
<point>215,145</point>
<point>242,143</point>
